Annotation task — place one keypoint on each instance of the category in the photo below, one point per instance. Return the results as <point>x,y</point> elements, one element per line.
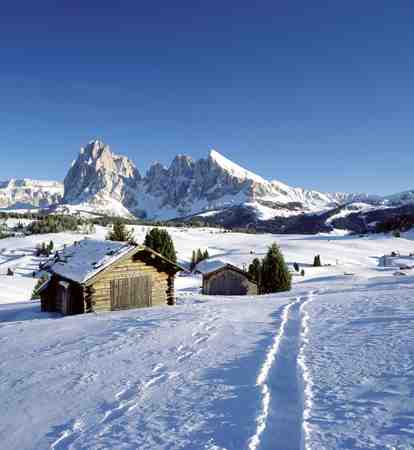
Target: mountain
<point>104,182</point>
<point>214,190</point>
<point>27,193</point>
<point>101,181</point>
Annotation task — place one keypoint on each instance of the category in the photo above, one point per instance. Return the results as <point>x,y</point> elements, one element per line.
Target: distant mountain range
<point>213,189</point>
<point>27,193</point>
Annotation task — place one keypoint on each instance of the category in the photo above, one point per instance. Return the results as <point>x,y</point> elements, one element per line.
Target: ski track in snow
<point>306,380</point>
<point>293,312</point>
<point>262,381</point>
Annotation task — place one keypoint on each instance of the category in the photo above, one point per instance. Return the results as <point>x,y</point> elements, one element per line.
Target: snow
<point>234,169</point>
<point>351,209</point>
<point>87,257</point>
<point>360,358</point>
<point>400,261</point>
<point>104,205</point>
<point>328,365</point>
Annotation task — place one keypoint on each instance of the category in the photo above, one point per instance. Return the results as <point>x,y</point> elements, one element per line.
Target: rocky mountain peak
<point>182,165</point>
<point>98,175</point>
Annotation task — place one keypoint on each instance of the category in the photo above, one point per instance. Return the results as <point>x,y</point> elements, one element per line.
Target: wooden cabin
<point>229,280</point>
<point>97,276</point>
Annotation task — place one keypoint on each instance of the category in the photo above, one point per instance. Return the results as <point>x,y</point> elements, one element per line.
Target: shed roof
<point>85,259</point>
<point>231,267</point>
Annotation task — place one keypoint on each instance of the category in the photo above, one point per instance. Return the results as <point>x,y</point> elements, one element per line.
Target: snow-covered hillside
<point>328,365</point>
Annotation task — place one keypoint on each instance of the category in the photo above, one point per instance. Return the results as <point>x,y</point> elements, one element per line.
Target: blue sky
<point>318,94</point>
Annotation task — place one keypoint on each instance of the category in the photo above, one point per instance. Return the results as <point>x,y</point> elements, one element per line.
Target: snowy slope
<point>359,361</point>
<point>327,365</point>
<point>215,373</point>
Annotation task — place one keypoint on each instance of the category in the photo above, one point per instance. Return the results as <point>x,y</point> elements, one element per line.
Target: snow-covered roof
<point>82,260</point>
<point>86,258</point>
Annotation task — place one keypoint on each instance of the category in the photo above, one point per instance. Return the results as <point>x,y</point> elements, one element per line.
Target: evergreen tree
<point>205,254</point>
<point>199,255</point>
<point>275,275</point>
<point>255,270</point>
<point>120,233</point>
<point>193,260</point>
<point>160,241</point>
<point>50,247</point>
<point>317,261</point>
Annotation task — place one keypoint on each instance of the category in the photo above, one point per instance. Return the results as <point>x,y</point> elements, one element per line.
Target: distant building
<point>229,280</point>
<point>94,275</point>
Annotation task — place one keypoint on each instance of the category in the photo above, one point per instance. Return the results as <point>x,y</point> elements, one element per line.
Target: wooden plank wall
<point>101,289</point>
<point>131,292</point>
<point>228,282</point>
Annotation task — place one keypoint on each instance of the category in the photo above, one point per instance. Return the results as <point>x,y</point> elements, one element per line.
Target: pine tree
<point>120,233</point>
<point>199,255</point>
<point>205,254</point>
<point>275,275</point>
<point>160,241</point>
<point>317,261</point>
<point>255,270</point>
<point>193,260</point>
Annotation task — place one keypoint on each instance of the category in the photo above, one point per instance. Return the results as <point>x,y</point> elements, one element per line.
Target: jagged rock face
<point>27,193</point>
<point>98,175</point>
<point>187,182</point>
<point>216,182</point>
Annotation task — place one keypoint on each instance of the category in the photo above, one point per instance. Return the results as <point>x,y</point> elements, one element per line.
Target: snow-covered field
<point>329,365</point>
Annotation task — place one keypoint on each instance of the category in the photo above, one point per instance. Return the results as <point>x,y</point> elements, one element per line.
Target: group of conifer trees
<point>271,273</point>
<point>198,256</point>
<point>157,239</point>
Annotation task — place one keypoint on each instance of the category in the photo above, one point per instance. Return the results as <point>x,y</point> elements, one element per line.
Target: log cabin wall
<point>162,291</point>
<point>48,296</point>
<point>228,282</point>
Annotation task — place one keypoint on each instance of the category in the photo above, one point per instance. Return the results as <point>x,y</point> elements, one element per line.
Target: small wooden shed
<point>94,275</point>
<point>229,280</point>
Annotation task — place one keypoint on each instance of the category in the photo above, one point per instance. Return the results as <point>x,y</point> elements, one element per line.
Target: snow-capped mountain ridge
<point>103,181</point>
<point>233,168</point>
<point>100,181</point>
<point>28,193</point>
